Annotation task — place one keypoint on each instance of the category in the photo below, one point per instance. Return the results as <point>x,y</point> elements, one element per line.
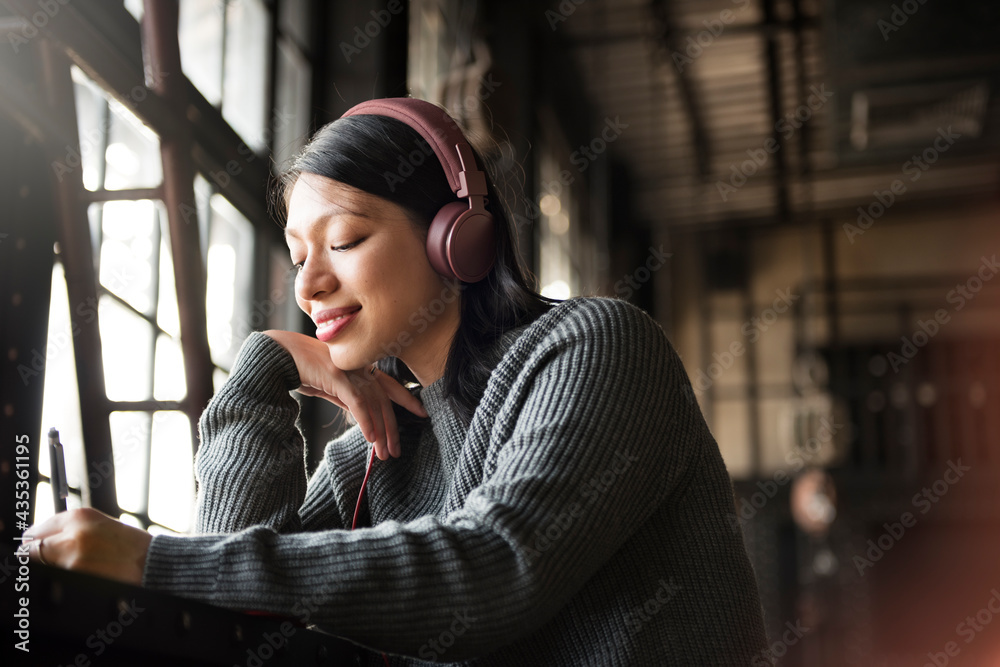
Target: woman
<point>546,491</point>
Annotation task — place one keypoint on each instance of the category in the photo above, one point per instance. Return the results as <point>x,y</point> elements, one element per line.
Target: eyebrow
<point>338,211</point>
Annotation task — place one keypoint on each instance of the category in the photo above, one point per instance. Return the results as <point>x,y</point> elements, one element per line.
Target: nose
<point>316,279</point>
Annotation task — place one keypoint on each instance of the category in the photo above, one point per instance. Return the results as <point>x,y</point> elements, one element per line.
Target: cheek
<point>397,276</point>
<point>376,278</point>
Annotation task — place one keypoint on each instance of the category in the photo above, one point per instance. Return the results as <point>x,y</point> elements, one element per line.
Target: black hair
<point>376,154</point>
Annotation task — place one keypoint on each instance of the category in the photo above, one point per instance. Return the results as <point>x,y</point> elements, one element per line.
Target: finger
<point>29,548</point>
<point>43,547</point>
<point>306,390</point>
<point>400,394</point>
<point>50,526</point>
<point>357,405</point>
<point>46,550</point>
<point>391,428</point>
<point>374,396</point>
<point>381,443</point>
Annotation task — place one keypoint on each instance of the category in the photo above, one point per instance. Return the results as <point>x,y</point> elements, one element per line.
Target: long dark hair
<point>370,153</point>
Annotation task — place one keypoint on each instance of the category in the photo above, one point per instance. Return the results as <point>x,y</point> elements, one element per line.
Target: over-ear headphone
<point>461,241</point>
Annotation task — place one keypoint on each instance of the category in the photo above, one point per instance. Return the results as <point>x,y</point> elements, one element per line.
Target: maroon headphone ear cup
<point>473,245</point>
<point>461,242</point>
<point>437,237</point>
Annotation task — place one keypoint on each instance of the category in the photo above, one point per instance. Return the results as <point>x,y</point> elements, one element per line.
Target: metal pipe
<point>81,285</point>
<point>159,31</point>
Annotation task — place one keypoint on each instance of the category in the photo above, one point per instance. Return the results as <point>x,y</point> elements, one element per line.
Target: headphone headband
<point>461,241</point>
<point>440,131</point>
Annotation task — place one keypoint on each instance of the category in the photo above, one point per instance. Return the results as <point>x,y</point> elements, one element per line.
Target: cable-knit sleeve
<point>588,431</point>
<point>250,464</point>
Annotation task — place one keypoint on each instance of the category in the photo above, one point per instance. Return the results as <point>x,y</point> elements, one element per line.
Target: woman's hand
<point>367,397</point>
<point>89,541</point>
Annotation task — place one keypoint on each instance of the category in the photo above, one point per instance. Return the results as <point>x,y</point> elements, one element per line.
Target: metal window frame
<point>139,65</point>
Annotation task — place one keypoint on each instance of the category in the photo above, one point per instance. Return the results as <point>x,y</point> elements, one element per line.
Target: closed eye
<point>346,246</point>
<point>298,266</point>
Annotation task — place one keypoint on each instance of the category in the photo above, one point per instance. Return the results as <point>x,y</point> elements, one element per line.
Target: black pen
<point>57,476</point>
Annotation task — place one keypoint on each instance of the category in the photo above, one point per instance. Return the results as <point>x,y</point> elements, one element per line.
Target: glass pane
<point>130,443</point>
<point>92,121</point>
<point>130,236</point>
<point>167,317</point>
<point>245,79</point>
<point>294,20</point>
<point>95,213</point>
<point>200,37</point>
<point>171,484</point>
<point>219,378</point>
<point>133,151</point>
<point>127,344</point>
<point>291,114</point>
<point>230,280</point>
<point>284,312</point>
<point>135,8</point>
<point>203,191</point>
<point>61,397</point>
<point>170,384</point>
<point>43,502</point>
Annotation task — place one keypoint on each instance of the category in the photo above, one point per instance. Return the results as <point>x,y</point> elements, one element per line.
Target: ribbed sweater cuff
<point>263,368</point>
<point>186,565</point>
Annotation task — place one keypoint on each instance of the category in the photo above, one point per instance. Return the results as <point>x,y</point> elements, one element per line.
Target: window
<point>226,52</point>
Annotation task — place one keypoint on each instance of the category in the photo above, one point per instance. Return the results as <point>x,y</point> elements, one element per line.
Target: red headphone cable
<point>364,483</point>
<point>357,510</point>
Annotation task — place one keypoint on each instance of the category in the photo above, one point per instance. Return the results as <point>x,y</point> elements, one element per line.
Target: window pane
<point>167,317</point>
<point>60,400</point>
<point>92,121</point>
<point>281,310</point>
<point>171,484</point>
<point>200,37</point>
<point>135,8</point>
<point>130,236</point>
<point>291,115</point>
<point>43,502</point>
<point>170,384</point>
<point>295,20</point>
<point>245,79</point>
<point>230,280</point>
<point>130,443</point>
<point>127,344</point>
<point>133,151</point>
<point>219,378</point>
<point>203,191</point>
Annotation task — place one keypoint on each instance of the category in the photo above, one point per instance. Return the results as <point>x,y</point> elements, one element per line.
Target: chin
<point>349,363</point>
<point>350,357</point>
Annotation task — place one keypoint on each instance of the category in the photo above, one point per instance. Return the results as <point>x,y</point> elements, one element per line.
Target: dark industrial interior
<point>805,194</point>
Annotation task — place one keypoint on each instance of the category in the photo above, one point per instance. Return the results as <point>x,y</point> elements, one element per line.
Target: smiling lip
<point>329,323</point>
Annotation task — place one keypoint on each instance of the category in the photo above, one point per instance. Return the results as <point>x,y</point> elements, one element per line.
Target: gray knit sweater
<point>580,519</point>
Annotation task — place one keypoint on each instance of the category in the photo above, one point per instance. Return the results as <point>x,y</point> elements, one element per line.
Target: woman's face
<point>362,259</point>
